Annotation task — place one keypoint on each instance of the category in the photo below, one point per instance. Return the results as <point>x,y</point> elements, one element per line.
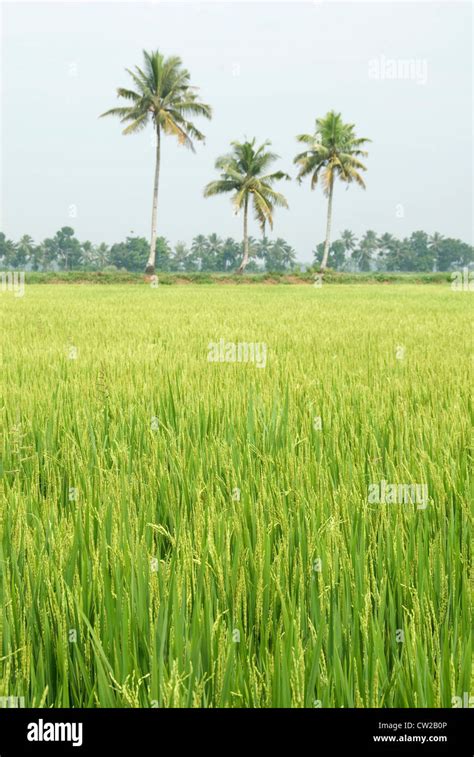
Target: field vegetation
<point>180,532</point>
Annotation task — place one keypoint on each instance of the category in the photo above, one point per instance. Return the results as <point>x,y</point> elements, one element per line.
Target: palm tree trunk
<point>328,228</point>
<point>245,259</point>
<point>150,266</point>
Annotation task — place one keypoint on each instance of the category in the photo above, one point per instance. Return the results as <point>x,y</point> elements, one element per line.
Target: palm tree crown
<point>244,172</point>
<point>332,151</point>
<point>164,95</point>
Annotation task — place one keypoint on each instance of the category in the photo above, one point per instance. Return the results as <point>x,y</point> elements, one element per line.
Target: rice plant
<point>182,532</point>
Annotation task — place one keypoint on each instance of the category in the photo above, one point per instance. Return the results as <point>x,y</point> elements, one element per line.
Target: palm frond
<point>275,198</point>
<point>221,186</point>
<point>120,112</point>
<point>128,94</point>
<point>137,125</point>
<point>262,210</point>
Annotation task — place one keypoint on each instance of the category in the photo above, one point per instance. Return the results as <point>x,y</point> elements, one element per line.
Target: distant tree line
<point>418,252</point>
<point>64,252</point>
<point>371,252</point>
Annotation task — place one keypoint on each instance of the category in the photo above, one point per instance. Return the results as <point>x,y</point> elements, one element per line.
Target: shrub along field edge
<point>183,278</point>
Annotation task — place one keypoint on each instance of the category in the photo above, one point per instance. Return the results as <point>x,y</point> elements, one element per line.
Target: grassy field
<point>179,532</point>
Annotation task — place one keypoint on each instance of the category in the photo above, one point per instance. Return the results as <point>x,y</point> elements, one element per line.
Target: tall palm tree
<point>367,250</point>
<point>283,254</point>
<point>87,253</point>
<point>332,151</point>
<point>436,244</point>
<point>8,251</point>
<point>243,173</point>
<point>230,254</point>
<point>164,96</point>
<point>24,250</point>
<point>101,255</point>
<point>180,257</point>
<point>214,252</point>
<point>264,249</point>
<point>199,249</point>
<point>388,251</point>
<point>349,240</point>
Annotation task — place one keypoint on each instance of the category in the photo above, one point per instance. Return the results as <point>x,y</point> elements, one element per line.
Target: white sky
<point>267,69</point>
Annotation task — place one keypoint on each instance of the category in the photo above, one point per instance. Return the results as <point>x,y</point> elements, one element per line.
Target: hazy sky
<point>268,70</point>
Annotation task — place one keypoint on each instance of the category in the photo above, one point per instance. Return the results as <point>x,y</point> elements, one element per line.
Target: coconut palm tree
<point>243,173</point>
<point>37,258</point>
<point>101,255</point>
<point>332,151</point>
<point>366,251</point>
<point>180,257</point>
<point>163,96</point>
<point>349,241</point>
<point>24,251</point>
<point>389,248</point>
<point>8,251</point>
<point>436,244</point>
<point>264,249</point>
<point>199,249</point>
<point>282,256</point>
<point>214,252</point>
